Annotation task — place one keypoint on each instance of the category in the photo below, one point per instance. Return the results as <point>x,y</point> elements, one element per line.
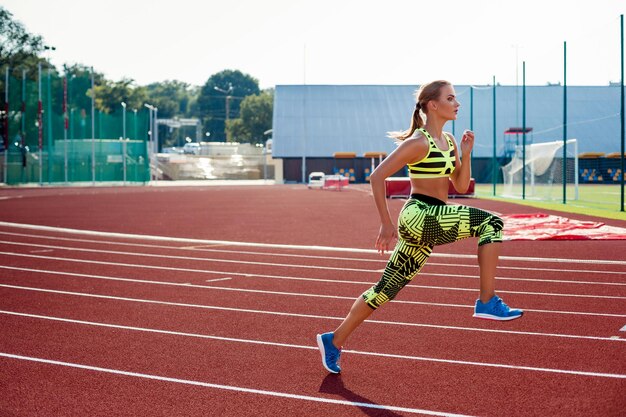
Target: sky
<point>278,42</point>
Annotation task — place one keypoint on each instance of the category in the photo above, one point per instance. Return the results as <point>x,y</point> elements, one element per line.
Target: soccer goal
<point>538,175</point>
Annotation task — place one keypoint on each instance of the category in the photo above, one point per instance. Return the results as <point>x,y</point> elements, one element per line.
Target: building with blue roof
<point>318,121</point>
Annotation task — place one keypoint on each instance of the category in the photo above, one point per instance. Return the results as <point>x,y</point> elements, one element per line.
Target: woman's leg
<point>359,312</point>
<point>404,263</point>
<point>488,228</point>
<point>488,255</point>
<point>437,225</point>
<point>450,223</point>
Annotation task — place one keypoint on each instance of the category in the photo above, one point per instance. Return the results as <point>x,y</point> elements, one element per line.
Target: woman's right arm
<point>409,151</point>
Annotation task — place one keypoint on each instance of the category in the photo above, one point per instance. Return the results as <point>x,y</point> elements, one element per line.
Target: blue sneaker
<point>330,354</point>
<point>495,309</point>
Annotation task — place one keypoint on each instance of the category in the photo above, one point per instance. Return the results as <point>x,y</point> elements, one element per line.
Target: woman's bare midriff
<point>433,187</point>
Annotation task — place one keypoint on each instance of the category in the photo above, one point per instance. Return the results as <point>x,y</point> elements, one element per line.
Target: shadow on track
<point>333,384</point>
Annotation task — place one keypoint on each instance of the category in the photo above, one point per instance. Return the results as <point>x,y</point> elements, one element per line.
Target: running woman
<point>426,220</point>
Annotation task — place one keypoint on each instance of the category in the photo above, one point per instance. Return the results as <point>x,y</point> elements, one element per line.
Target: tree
<point>79,85</point>
<point>173,99</point>
<point>16,45</point>
<point>220,98</point>
<point>255,119</point>
<point>110,95</point>
<point>19,52</point>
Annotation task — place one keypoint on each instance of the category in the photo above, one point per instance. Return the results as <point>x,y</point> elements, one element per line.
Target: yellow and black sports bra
<point>436,163</point>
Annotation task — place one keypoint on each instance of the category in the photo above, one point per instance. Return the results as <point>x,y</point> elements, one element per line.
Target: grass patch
<point>600,200</point>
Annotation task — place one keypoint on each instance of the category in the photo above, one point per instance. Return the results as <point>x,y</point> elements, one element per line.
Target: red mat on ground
<point>539,226</point>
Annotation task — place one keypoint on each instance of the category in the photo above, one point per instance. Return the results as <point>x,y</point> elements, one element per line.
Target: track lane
<point>166,247</point>
<point>413,300</point>
<point>250,247</point>
<point>464,342</point>
<point>452,311</point>
<point>414,292</point>
<point>214,361</point>
<point>611,288</point>
<point>103,204</point>
<point>268,254</point>
<point>49,389</point>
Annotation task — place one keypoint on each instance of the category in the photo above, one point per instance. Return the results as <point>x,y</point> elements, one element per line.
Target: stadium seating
<point>615,175</point>
<point>346,172</point>
<point>367,173</point>
<point>591,176</point>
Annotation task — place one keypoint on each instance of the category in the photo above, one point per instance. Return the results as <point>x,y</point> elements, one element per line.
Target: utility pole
<point>227,101</point>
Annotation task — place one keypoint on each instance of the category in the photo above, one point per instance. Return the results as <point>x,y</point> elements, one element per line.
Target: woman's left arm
<point>463,171</point>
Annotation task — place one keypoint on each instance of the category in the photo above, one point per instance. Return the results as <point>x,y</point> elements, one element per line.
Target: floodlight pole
<point>622,111</point>
<point>123,119</point>
<point>156,130</point>
<point>40,125</point>
<point>6,125</point>
<point>65,126</point>
<point>523,130</point>
<point>471,108</point>
<point>227,99</point>
<point>135,124</point>
<point>124,140</point>
<point>156,142</point>
<point>50,141</point>
<point>304,135</point>
<point>23,118</point>
<point>151,153</point>
<point>93,128</point>
<point>565,123</point>
<point>493,158</point>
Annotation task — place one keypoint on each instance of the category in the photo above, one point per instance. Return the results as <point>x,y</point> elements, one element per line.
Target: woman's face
<point>446,105</point>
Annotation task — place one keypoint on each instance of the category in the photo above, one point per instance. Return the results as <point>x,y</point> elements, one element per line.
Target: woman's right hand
<point>386,235</point>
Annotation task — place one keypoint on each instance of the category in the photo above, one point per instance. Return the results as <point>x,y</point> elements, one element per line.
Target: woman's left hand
<point>467,142</point>
<point>386,235</point>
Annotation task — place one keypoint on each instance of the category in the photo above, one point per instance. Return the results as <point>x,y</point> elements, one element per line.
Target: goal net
<point>538,175</point>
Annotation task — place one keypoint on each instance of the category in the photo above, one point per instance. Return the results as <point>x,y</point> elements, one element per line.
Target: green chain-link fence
<point>57,143</point>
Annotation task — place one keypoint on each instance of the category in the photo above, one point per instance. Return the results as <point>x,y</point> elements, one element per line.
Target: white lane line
<point>336,297</point>
<point>190,258</point>
<point>534,269</point>
<point>233,388</point>
<point>288,345</point>
<point>215,280</point>
<point>291,247</point>
<point>218,260</point>
<point>202,271</point>
<point>308,316</point>
<point>209,248</point>
<point>623,329</point>
<point>543,280</point>
<point>550,294</point>
<point>423,273</point>
<point>381,260</point>
<point>201,247</point>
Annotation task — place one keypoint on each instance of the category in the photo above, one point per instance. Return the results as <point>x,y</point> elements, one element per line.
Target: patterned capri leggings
<point>424,223</point>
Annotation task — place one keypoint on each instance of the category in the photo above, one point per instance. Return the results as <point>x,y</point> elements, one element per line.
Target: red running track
<point>214,311</point>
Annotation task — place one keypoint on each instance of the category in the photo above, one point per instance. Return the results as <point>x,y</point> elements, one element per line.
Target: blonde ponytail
<point>426,93</point>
